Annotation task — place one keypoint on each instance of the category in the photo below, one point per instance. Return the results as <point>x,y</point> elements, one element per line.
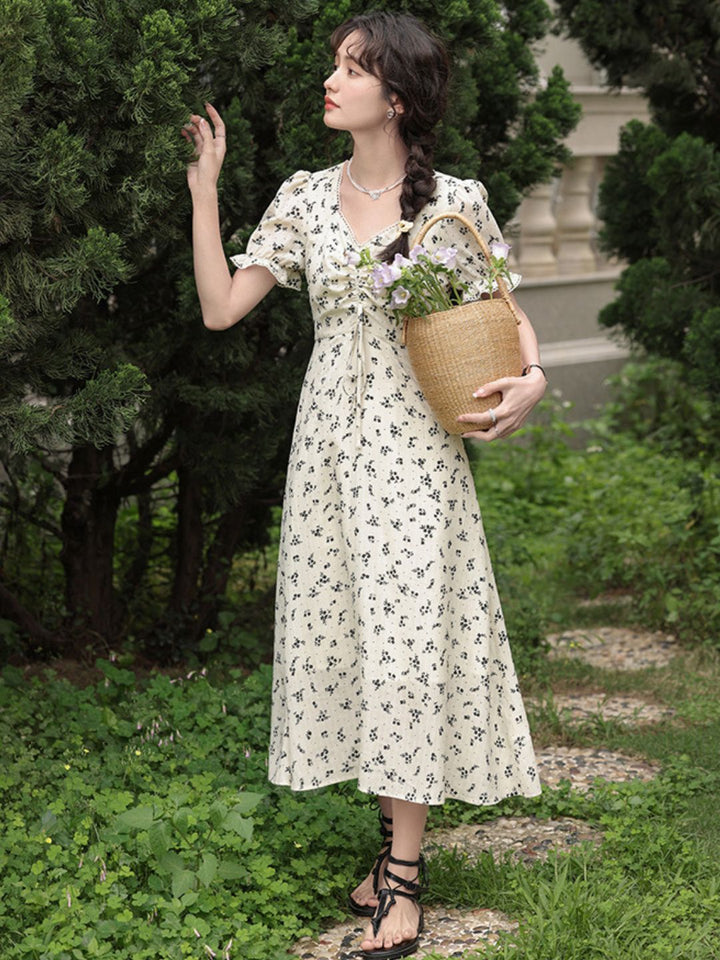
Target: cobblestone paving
<point>581,765</point>
<point>580,707</point>
<point>526,839</point>
<point>614,648</point>
<point>448,933</point>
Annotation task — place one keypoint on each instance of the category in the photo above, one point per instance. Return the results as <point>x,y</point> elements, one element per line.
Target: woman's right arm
<point>224,299</point>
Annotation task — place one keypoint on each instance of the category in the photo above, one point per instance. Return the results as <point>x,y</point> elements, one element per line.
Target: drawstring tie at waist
<point>354,378</point>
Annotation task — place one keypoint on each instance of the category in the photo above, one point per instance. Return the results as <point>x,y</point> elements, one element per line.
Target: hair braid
<point>417,188</point>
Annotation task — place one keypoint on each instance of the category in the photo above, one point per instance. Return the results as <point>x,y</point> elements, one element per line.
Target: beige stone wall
<point>566,279</point>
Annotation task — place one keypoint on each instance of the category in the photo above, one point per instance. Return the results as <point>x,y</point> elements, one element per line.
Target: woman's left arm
<point>519,394</point>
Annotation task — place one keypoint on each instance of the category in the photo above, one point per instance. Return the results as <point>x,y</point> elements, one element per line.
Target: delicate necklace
<point>373,194</point>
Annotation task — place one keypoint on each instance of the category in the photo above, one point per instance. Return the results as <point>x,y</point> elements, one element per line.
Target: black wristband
<point>529,367</point>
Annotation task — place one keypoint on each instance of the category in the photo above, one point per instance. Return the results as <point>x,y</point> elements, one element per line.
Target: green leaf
<point>159,839</point>
<point>137,818</point>
<point>171,862</point>
<point>247,802</point>
<point>182,882</point>
<point>241,825</point>
<point>208,869</point>
<point>230,870</point>
<point>180,819</point>
<point>218,813</point>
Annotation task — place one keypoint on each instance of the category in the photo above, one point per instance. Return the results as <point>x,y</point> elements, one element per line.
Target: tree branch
<point>31,518</point>
<point>12,609</point>
<point>132,478</point>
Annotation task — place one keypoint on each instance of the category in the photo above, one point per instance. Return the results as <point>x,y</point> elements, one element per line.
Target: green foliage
<point>146,829</point>
<point>661,193</point>
<point>149,824</point>
<point>625,513</point>
<point>100,340</point>
<point>101,344</point>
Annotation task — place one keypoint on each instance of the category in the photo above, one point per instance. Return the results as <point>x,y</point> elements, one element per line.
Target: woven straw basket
<point>455,351</point>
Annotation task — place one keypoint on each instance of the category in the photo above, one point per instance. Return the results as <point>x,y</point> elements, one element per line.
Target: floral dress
<point>392,663</point>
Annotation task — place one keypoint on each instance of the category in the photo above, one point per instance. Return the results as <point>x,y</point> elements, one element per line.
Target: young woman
<point>391,659</point>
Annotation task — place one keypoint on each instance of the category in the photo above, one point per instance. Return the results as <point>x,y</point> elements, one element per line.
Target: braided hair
<point>413,67</point>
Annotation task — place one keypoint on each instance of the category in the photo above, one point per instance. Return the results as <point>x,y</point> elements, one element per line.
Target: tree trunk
<point>88,530</point>
<point>219,564</point>
<point>189,542</point>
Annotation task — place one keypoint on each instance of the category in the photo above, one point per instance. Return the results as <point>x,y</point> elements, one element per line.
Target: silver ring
<point>221,136</point>
<point>497,432</point>
<point>493,417</point>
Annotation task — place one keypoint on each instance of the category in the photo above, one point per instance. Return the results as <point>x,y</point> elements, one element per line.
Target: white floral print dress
<point>392,664</point>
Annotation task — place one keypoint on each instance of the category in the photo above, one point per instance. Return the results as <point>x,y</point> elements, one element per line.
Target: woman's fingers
<point>216,120</point>
<point>519,396</point>
<point>494,386</point>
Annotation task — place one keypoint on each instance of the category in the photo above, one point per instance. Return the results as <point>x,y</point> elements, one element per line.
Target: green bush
<point>621,514</point>
<point>147,827</point>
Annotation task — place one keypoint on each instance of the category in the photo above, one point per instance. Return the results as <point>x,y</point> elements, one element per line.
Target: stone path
<point>526,839</point>
<point>450,933</point>
<point>613,648</point>
<point>577,708</point>
<point>582,765</point>
<point>454,932</point>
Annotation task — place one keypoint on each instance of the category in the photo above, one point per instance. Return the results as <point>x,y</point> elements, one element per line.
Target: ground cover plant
<point>148,830</point>
<point>135,815</point>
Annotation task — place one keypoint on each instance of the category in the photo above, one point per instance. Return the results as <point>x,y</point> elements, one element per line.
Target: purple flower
<point>352,258</point>
<point>445,256</point>
<point>400,297</point>
<point>500,250</point>
<point>385,274</point>
<point>401,261</point>
<point>417,251</point>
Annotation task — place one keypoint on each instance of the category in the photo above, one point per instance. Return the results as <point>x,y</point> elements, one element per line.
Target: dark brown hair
<point>413,67</point>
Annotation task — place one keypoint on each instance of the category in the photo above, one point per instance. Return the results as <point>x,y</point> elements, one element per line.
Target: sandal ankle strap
<point>386,834</point>
<point>417,885</point>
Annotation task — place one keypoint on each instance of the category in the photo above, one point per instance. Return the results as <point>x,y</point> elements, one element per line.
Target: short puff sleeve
<point>278,241</point>
<point>468,197</point>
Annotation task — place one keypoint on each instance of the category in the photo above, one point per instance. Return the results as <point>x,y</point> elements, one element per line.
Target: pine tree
<point>115,400</point>
<point>661,194</point>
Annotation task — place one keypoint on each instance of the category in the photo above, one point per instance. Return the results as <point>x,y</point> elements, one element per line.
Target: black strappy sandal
<point>363,909</point>
<point>388,897</point>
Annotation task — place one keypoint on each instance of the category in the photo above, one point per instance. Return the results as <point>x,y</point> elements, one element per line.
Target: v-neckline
<point>344,219</point>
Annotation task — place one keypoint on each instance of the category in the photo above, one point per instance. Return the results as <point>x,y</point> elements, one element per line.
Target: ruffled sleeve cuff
<point>278,241</point>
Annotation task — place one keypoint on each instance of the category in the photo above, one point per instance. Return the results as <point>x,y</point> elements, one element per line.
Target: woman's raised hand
<point>203,171</point>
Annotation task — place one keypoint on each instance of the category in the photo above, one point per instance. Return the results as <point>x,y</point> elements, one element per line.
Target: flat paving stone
<point>582,765</point>
<point>526,839</point>
<point>615,648</point>
<point>581,707</point>
<point>448,933</point>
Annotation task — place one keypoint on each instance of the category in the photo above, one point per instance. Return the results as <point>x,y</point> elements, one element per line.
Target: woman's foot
<point>364,894</point>
<point>398,922</point>
<point>363,900</point>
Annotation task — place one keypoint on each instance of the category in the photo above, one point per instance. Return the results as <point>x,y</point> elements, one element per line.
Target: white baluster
<point>537,233</point>
<point>576,217</point>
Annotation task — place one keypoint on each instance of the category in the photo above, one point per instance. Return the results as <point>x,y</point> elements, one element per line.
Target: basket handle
<point>481,242</point>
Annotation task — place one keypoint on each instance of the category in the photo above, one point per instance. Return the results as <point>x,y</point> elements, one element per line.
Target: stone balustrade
<point>567,279</point>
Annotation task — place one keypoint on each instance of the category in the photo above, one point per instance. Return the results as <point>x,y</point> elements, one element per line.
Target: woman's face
<point>354,99</point>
